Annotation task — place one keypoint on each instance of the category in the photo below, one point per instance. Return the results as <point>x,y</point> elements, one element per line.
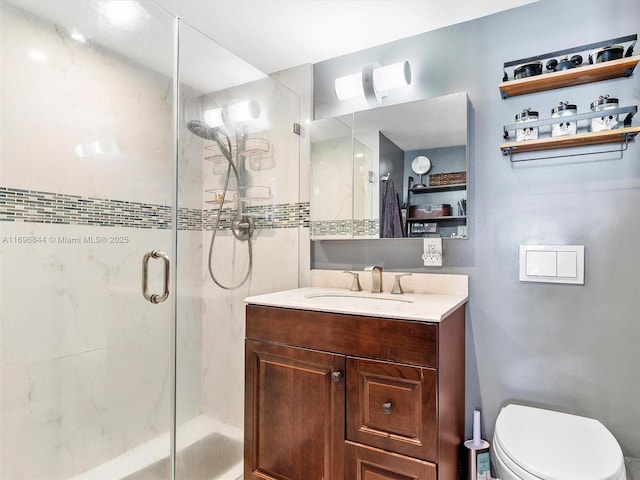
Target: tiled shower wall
<point>85,360</point>
<point>86,191</point>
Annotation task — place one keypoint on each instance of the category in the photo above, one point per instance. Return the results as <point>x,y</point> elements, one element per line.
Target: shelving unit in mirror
<point>426,217</point>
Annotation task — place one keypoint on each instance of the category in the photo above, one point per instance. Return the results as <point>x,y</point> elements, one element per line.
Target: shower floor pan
<point>207,450</point>
<point>211,458</point>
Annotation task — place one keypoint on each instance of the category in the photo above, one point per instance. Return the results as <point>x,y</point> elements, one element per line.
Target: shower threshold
<point>207,450</point>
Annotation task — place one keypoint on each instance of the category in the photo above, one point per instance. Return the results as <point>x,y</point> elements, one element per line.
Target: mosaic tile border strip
<point>285,215</point>
<point>345,228</point>
<point>19,205</point>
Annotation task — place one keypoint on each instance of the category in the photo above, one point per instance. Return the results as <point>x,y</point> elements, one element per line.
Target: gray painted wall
<point>572,348</point>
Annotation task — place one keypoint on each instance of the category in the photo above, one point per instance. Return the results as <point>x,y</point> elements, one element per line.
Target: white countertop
<point>427,307</point>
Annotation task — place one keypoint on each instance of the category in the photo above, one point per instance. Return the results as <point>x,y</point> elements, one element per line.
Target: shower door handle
<point>154,298</point>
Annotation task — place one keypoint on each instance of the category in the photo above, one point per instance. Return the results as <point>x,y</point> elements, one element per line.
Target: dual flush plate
<point>552,263</point>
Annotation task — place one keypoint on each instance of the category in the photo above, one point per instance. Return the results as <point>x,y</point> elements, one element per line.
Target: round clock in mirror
<point>421,165</point>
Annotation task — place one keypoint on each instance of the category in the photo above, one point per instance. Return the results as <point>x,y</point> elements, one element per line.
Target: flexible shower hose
<point>230,167</point>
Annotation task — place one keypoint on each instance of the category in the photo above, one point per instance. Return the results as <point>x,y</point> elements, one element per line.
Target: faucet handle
<point>355,286</point>
<point>397,286</point>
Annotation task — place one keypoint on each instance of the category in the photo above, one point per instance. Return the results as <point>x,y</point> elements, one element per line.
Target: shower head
<point>203,130</point>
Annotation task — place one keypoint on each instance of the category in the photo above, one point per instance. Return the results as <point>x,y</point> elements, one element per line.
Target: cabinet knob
<point>336,376</point>
<point>387,408</point>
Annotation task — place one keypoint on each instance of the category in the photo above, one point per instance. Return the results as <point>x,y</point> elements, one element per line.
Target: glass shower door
<point>239,232</point>
<point>86,190</point>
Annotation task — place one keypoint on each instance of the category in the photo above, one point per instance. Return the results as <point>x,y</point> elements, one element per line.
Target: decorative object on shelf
<point>421,165</point>
<point>424,227</point>
<point>606,54</point>
<point>450,178</point>
<point>606,122</point>
<point>563,110</point>
<point>621,136</point>
<point>429,211</point>
<point>527,70</point>
<point>526,133</point>
<point>604,66</point>
<point>564,63</point>
<point>462,207</point>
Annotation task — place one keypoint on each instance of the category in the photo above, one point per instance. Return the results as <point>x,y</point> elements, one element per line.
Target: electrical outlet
<point>432,255</point>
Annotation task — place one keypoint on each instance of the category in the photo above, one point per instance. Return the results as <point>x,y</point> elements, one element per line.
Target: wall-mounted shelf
<point>439,188</point>
<point>618,135</point>
<point>580,74</point>
<point>453,218</point>
<point>575,76</point>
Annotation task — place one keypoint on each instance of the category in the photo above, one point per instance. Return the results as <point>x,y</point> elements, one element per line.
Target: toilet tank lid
<point>558,446</point>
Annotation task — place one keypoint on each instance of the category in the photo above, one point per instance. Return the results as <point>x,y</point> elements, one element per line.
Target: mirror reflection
<point>396,171</point>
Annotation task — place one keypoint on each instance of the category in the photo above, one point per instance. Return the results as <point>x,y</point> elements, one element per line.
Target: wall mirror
<point>392,171</point>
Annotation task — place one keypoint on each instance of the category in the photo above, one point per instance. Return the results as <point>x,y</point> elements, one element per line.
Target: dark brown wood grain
<point>451,393</point>
<point>367,463</point>
<point>411,427</point>
<point>379,338</point>
<point>294,413</point>
<point>297,417</point>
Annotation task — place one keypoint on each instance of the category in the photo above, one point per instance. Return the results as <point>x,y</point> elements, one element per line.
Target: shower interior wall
<point>275,242</point>
<point>85,360</point>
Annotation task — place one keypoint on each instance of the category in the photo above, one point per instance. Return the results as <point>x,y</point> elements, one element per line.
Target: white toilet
<point>535,444</point>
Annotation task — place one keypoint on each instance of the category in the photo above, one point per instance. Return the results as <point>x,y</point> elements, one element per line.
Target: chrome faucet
<point>376,278</point>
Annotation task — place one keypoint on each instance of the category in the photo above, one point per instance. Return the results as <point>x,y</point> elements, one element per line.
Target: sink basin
<point>348,298</point>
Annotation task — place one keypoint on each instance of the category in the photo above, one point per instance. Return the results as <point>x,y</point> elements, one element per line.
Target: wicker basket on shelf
<point>450,178</point>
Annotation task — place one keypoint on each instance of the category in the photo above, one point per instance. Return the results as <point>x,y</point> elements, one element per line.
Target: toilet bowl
<point>536,444</point>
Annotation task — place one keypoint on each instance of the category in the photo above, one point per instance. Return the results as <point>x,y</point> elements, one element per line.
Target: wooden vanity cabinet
<point>346,397</point>
<point>294,413</point>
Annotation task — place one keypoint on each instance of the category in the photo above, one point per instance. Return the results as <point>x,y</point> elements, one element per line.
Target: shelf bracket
<point>624,146</point>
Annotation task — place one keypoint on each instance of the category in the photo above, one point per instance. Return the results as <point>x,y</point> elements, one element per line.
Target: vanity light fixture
<point>240,112</point>
<point>374,82</point>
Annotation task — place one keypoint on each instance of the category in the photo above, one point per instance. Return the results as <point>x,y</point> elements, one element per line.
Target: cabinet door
<point>393,407</point>
<point>294,413</point>
<point>367,463</point>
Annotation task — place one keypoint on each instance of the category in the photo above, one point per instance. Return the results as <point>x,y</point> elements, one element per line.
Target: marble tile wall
<point>279,218</point>
<point>85,360</point>
<point>85,192</point>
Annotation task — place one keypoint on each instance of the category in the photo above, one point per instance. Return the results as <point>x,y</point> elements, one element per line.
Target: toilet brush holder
<point>478,460</point>
<point>478,455</point>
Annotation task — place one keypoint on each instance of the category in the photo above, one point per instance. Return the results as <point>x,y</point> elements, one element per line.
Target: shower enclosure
<point>98,171</point>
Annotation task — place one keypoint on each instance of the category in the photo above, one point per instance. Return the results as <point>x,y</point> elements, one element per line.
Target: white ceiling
<point>274,35</point>
<point>254,37</point>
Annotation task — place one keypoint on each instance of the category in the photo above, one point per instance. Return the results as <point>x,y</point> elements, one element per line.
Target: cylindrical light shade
<point>392,76</point>
<point>349,86</point>
<point>213,117</point>
<point>243,111</point>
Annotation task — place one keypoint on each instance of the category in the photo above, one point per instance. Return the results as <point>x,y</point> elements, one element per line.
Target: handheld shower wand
<point>242,226</point>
